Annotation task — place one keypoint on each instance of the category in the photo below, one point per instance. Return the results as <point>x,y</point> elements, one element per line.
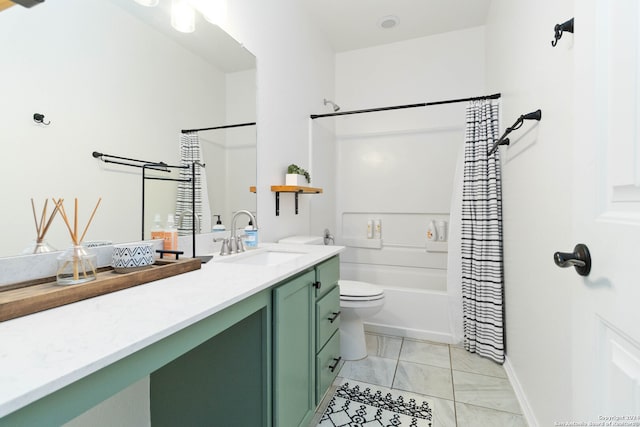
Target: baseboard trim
<point>527,410</point>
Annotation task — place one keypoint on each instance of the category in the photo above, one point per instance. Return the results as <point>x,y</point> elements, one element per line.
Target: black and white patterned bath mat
<point>357,405</point>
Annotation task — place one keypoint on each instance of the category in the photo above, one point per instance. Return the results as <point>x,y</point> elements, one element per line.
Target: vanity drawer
<point>327,274</point>
<point>327,365</point>
<point>327,316</point>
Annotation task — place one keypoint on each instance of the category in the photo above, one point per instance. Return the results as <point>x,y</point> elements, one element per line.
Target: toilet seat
<point>351,290</point>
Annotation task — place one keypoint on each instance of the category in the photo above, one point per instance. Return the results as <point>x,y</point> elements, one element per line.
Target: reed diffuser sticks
<point>74,232</point>
<point>78,266</point>
<point>43,226</point>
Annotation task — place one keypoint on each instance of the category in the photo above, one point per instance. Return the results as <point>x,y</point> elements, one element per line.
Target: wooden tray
<point>30,297</point>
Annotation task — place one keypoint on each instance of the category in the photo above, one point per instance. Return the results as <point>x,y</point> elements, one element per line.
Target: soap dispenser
<point>157,232</point>
<point>219,227</point>
<point>251,239</point>
<point>170,236</point>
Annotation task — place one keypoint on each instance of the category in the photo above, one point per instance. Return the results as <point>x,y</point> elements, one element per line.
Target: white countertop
<point>46,351</point>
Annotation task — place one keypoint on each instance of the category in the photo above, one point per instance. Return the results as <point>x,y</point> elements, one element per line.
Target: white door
<point>606,190</point>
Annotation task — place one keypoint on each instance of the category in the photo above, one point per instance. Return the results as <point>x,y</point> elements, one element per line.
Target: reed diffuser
<point>40,245</point>
<point>77,264</point>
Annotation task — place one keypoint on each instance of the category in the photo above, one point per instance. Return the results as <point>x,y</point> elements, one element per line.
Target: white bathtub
<point>415,308</point>
<point>413,313</point>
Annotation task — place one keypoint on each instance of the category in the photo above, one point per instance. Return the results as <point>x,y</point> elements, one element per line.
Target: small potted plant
<point>297,176</point>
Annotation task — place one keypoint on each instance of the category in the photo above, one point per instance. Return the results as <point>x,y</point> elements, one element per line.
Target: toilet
<point>358,301</point>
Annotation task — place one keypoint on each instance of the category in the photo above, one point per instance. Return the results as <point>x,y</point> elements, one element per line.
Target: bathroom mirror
<point>113,76</point>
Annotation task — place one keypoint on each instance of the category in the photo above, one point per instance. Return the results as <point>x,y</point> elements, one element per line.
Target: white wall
<point>536,209</point>
<point>295,73</point>
<point>438,67</point>
<point>398,166</point>
<point>66,61</point>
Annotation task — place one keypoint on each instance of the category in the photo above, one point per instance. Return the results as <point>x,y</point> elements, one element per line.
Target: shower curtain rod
<point>219,127</point>
<point>399,107</point>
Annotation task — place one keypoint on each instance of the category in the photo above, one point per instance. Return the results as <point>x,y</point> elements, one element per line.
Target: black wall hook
<point>561,28</point>
<point>39,118</point>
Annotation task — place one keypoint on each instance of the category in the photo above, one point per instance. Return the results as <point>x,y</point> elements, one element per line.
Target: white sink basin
<point>264,258</point>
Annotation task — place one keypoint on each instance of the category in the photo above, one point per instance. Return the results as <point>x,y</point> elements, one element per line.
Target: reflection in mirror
<point>126,92</point>
<point>230,158</point>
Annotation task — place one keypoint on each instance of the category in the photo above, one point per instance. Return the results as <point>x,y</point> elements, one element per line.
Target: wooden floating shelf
<point>295,189</point>
<point>292,189</point>
<point>30,297</point>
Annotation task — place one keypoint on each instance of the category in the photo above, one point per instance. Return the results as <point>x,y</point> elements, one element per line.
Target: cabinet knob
<point>335,365</point>
<point>317,285</point>
<point>334,317</point>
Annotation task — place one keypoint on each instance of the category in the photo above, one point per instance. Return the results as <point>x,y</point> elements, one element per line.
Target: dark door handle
<point>580,259</point>
<point>317,285</point>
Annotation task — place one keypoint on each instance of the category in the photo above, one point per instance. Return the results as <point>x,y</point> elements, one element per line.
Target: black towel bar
<point>535,115</point>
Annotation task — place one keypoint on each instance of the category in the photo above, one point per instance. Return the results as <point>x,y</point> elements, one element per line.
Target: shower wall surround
<point>398,166</point>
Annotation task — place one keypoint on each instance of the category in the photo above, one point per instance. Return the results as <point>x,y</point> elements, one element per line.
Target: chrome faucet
<point>234,244</point>
<point>195,216</point>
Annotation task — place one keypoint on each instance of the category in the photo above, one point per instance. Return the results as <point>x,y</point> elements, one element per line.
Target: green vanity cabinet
<point>306,342</point>
<point>327,274</point>
<point>327,317</point>
<point>327,335</point>
<point>293,352</point>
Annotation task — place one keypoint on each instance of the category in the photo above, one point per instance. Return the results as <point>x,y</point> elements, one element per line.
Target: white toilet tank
<point>303,240</point>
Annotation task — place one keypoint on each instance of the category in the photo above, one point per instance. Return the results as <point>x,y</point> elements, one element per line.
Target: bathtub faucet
<point>328,237</point>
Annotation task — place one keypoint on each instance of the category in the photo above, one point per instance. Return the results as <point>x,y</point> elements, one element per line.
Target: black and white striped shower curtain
<point>482,272</point>
<point>189,152</point>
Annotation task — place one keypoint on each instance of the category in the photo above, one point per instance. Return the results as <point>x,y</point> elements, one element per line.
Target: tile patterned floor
<point>465,390</point>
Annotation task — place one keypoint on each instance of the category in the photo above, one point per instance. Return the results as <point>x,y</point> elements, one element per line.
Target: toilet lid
<point>351,289</point>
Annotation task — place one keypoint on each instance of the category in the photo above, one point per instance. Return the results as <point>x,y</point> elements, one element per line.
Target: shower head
<point>335,106</point>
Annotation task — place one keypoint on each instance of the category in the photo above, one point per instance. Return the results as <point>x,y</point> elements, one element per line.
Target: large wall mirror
<point>113,76</point>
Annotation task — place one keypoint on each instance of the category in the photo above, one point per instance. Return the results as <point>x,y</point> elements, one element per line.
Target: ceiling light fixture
<point>183,16</point>
<point>214,11</point>
<point>183,12</point>
<point>388,22</point>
